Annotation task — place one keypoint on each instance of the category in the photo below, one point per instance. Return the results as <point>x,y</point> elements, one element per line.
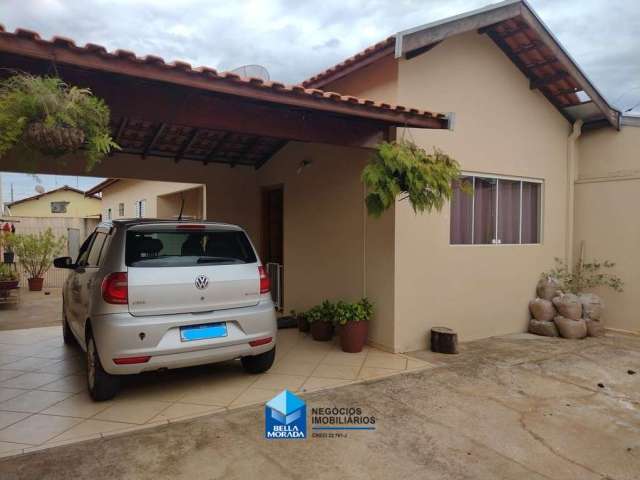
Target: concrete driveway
<point>508,407</point>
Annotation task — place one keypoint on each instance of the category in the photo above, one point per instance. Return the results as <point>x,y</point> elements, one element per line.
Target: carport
<point>282,161</point>
<point>268,154</point>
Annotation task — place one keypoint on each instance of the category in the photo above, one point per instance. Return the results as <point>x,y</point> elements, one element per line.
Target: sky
<point>295,39</point>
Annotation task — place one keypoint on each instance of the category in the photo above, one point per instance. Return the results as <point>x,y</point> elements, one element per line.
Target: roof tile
<point>250,82</point>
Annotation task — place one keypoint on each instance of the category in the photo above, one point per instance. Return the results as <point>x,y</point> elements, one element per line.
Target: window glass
<point>508,211</point>
<point>164,248</point>
<point>484,228</point>
<point>59,207</point>
<point>95,252</point>
<point>121,209</point>
<point>84,251</point>
<point>531,209</point>
<point>499,211</point>
<point>462,213</point>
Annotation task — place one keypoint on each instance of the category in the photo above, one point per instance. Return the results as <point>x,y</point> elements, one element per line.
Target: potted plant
<point>321,318</point>
<point>47,116</point>
<point>5,245</point>
<point>301,319</point>
<point>35,254</point>
<point>8,278</point>
<point>353,319</point>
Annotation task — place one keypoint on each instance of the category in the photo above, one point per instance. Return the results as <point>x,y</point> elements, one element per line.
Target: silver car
<point>149,294</point>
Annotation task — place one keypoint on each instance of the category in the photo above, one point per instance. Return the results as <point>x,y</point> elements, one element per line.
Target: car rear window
<point>170,248</point>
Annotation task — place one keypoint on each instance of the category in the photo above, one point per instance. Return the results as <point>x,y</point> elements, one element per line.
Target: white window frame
<point>141,206</point>
<point>475,175</point>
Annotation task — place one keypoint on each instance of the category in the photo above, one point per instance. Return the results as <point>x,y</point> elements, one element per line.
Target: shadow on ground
<point>510,407</point>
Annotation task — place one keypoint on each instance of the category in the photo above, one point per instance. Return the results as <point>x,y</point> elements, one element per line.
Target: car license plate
<point>203,332</point>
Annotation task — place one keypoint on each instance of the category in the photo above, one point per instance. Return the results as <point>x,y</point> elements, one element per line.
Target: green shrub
<point>355,312</point>
<point>36,252</point>
<point>584,276</point>
<point>7,274</point>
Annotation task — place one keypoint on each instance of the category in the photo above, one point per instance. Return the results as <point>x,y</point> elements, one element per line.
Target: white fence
<point>74,230</point>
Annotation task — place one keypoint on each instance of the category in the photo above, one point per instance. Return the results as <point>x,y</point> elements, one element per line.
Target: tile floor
<point>43,400</point>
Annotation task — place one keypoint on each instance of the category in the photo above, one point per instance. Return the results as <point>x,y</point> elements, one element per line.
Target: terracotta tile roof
<point>27,42</point>
<point>64,188</point>
<point>320,78</point>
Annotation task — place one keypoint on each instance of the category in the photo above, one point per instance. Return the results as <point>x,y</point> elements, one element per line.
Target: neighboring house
<point>285,162</point>
<point>67,211</point>
<point>64,201</point>
<point>124,198</point>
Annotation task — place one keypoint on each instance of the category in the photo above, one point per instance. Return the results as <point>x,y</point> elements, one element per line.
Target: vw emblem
<point>202,281</point>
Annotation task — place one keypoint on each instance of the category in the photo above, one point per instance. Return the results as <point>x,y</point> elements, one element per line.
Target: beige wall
<point>79,206</point>
<point>606,222</point>
<point>188,202</point>
<point>326,233</point>
<point>501,127</point>
<point>129,191</point>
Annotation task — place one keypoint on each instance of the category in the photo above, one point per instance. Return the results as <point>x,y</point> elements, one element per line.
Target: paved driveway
<point>44,402</point>
<point>36,309</point>
<point>508,407</point>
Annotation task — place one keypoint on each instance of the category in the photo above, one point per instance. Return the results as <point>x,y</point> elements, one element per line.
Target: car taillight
<point>131,360</point>
<point>265,285</point>
<point>115,288</point>
<point>262,341</point>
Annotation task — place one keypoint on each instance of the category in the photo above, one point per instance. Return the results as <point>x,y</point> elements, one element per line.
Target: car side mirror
<point>63,262</point>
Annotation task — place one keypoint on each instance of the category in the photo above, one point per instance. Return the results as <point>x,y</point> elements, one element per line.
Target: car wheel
<point>67,334</point>
<point>102,386</point>
<point>259,363</point>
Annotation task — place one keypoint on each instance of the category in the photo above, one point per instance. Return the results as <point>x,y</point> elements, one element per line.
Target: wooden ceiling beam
<point>537,83</point>
<point>527,48</point>
<point>269,156</point>
<point>186,145</point>
<point>514,32</point>
<point>153,140</point>
<point>518,62</point>
<point>215,149</point>
<point>544,63</point>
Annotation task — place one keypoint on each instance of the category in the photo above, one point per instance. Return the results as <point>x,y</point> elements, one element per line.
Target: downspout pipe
<point>572,176</point>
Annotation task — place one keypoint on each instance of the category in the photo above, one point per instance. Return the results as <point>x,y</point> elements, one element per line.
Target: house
<point>69,213</point>
<point>285,162</point>
<point>144,198</point>
<point>62,202</point>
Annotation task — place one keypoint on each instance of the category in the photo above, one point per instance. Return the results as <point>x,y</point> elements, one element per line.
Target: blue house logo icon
<point>285,416</point>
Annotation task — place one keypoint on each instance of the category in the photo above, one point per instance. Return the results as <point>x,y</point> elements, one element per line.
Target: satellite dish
<point>254,71</point>
<point>39,189</point>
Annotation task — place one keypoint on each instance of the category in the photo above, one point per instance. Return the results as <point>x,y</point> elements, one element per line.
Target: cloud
<point>295,39</point>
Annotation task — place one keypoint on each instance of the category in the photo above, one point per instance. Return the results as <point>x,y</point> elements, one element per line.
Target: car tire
<point>101,385</point>
<point>67,334</point>
<point>259,363</point>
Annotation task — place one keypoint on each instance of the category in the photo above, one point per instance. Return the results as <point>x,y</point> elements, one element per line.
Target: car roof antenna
<point>181,207</point>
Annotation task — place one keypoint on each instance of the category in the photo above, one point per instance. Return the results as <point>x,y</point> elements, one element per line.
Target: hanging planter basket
<point>402,168</point>
<point>53,140</point>
<point>46,116</point>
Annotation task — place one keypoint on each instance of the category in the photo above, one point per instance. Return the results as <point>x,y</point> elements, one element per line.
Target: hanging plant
<point>47,116</point>
<point>402,167</point>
